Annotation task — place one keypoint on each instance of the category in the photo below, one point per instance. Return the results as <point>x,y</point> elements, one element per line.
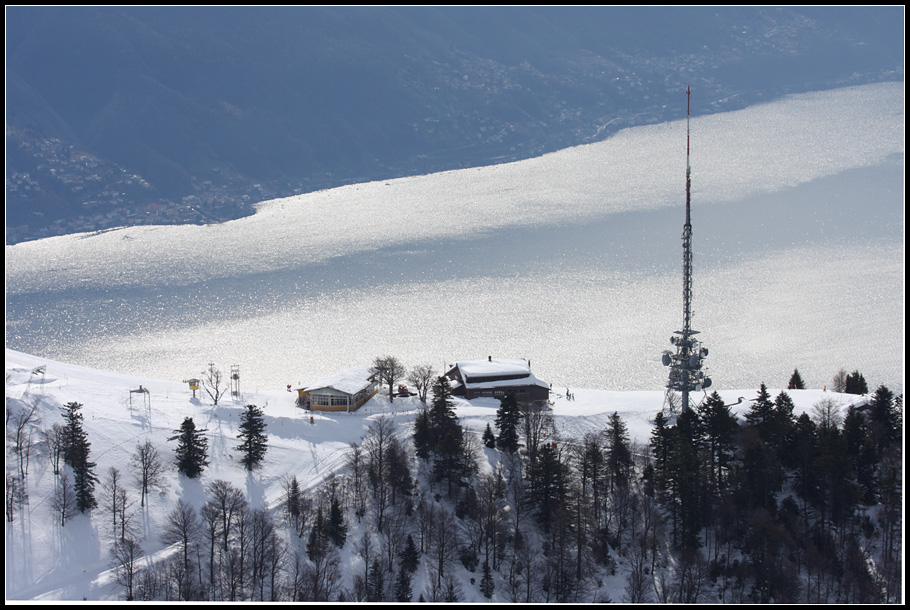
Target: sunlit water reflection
<point>789,273</point>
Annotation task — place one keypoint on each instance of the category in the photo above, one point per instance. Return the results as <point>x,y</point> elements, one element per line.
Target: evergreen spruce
<point>685,480</point>
<point>409,557</point>
<point>619,452</point>
<point>76,450</point>
<point>422,440</point>
<point>398,473</point>
<point>783,427</point>
<point>403,590</point>
<point>486,581</point>
<point>796,381</point>
<point>761,414</point>
<point>191,454</point>
<point>719,430</point>
<point>489,440</point>
<point>548,478</point>
<point>885,418</point>
<point>856,384</point>
<point>508,418</point>
<point>442,417</point>
<point>447,438</point>
<point>293,502</point>
<point>376,582</point>
<point>255,442</point>
<point>318,543</point>
<point>660,452</point>
<point>336,528</point>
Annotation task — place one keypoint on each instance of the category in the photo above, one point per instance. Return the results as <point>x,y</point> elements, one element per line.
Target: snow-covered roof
<point>496,372</point>
<point>493,367</point>
<point>349,381</point>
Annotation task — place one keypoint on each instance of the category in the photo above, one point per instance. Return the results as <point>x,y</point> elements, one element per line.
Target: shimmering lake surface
<point>572,260</point>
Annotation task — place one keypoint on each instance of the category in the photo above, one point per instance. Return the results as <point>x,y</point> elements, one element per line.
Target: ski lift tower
<point>235,380</point>
<point>144,396</point>
<point>686,374</point>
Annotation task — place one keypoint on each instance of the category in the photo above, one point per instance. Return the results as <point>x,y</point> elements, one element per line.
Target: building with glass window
<point>344,391</point>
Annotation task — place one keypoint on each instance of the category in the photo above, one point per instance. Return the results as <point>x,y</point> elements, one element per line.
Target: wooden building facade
<point>345,391</point>
<point>495,378</point>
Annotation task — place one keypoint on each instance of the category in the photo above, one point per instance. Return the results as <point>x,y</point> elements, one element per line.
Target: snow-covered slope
<point>45,561</point>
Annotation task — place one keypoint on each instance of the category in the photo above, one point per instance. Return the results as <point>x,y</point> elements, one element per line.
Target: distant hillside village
<point>348,390</point>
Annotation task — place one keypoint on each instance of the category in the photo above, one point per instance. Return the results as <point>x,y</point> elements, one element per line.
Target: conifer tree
<point>685,483</point>
<point>410,557</point>
<point>508,418</point>
<point>660,451</point>
<point>447,437</point>
<point>397,471</point>
<point>885,418</point>
<point>76,450</point>
<point>336,528</point>
<point>293,499</point>
<point>489,440</point>
<point>784,424</point>
<point>403,590</point>
<point>856,384</point>
<point>318,543</point>
<point>442,410</point>
<point>619,453</point>
<point>761,414</point>
<point>796,381</point>
<point>422,440</point>
<point>548,477</point>
<point>719,431</point>
<point>255,442</point>
<point>486,581</point>
<point>191,454</point>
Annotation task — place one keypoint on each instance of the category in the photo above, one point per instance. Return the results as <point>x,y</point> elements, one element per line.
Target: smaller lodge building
<point>344,391</point>
<point>495,378</point>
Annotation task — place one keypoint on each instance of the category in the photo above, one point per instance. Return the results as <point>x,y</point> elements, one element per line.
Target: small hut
<point>344,391</point>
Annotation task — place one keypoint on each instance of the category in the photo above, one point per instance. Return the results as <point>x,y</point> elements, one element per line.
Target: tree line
<point>768,507</point>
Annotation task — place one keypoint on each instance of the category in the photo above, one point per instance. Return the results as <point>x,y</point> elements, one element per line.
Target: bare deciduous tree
<point>126,553</point>
<point>53,438</point>
<point>839,382</point>
<point>64,500</point>
<point>389,370</point>
<point>182,528</point>
<point>13,495</point>
<point>422,377</point>
<point>147,468</point>
<point>111,498</point>
<point>375,445</point>
<point>21,434</point>
<point>231,503</point>
<point>213,382</point>
<point>827,413</point>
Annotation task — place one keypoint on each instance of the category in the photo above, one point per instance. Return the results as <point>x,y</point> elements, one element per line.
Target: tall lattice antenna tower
<point>686,374</point>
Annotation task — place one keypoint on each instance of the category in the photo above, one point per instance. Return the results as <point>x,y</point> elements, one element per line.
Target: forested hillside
<point>755,501</point>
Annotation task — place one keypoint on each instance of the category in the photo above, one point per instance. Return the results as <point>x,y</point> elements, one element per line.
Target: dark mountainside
<point>137,115</point>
